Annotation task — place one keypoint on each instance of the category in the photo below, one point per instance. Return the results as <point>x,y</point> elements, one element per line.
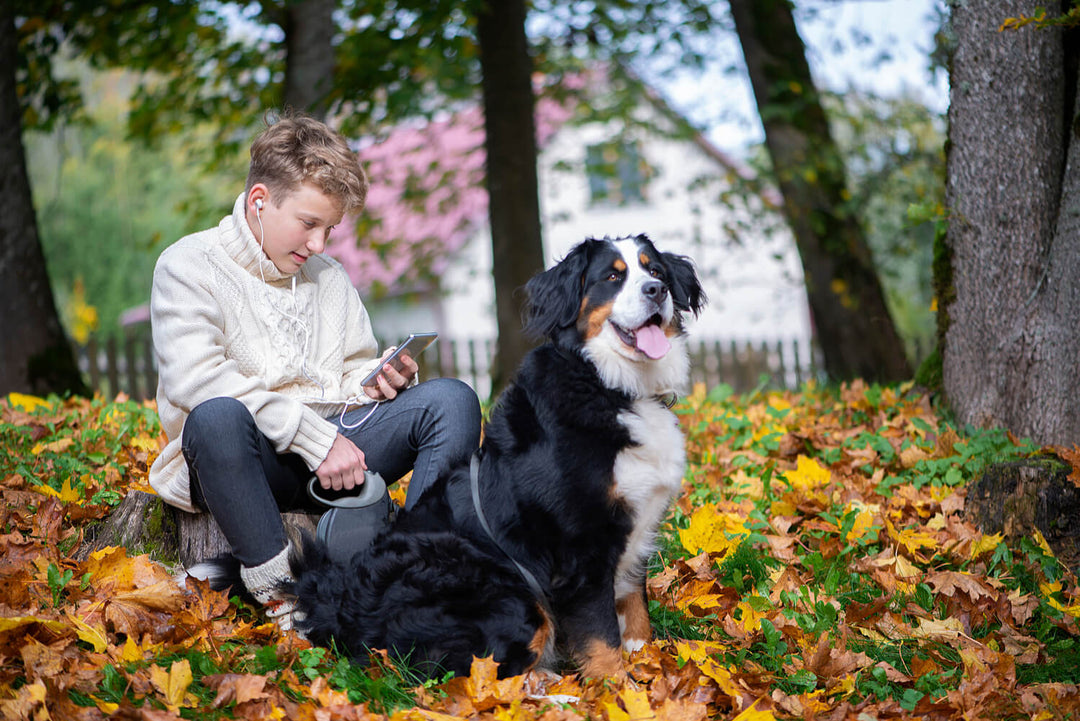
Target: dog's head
<point>620,300</point>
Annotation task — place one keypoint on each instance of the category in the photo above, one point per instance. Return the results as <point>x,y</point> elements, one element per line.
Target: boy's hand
<point>390,380</point>
<point>344,466</point>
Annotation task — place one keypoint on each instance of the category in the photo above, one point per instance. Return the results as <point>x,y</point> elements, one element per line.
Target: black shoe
<point>353,521</point>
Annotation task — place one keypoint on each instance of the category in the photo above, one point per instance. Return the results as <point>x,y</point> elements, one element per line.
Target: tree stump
<point>143,523</point>
<point>1021,497</point>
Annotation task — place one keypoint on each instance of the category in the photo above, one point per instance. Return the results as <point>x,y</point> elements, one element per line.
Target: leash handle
<point>373,488</point>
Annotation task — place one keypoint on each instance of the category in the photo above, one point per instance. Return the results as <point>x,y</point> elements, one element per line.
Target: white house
<point>422,254</point>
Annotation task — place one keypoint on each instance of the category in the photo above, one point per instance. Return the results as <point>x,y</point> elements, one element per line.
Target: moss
<point>944,290</point>
<point>929,373</point>
<point>158,539</point>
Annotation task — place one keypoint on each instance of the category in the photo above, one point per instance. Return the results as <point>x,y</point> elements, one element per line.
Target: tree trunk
<point>1016,499</point>
<point>309,63</point>
<point>143,523</point>
<point>1009,296</point>
<point>852,322</point>
<point>514,206</point>
<point>34,353</point>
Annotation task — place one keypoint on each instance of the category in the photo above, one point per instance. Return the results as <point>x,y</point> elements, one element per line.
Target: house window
<point>617,173</point>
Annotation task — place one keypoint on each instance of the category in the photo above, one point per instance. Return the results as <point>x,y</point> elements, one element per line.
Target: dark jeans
<point>238,476</point>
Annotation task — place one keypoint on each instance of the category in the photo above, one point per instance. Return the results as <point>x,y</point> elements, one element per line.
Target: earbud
<point>258,204</point>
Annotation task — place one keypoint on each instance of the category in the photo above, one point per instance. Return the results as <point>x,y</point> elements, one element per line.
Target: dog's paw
<point>631,645</point>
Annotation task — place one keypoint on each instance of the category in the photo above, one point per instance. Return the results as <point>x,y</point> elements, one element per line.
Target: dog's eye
<point>613,276</point>
<point>655,272</point>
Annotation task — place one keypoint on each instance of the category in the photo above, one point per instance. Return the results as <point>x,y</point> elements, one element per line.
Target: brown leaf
<point>236,688</point>
<point>949,583</point>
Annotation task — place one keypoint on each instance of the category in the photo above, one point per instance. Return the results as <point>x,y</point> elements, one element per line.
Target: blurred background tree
<point>202,74</point>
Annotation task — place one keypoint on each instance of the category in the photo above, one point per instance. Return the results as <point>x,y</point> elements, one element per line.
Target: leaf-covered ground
<point>816,566</point>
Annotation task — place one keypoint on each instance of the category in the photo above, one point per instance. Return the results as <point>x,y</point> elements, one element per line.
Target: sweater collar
<point>242,246</point>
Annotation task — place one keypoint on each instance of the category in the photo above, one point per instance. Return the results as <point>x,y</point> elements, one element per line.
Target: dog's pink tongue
<point>652,342</point>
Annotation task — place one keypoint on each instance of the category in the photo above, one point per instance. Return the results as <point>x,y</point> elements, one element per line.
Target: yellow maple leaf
<point>783,508</point>
<point>753,714</point>
<point>26,402</point>
<point>742,484</point>
<point>1039,539</point>
<point>173,684</point>
<point>636,703</point>
<point>15,622</point>
<point>93,635</point>
<point>397,495</point>
<point>130,653</point>
<point>106,707</point>
<point>910,539</point>
<point>696,651</point>
<point>144,442</point>
<point>57,446</point>
<point>713,532</point>
<point>751,618</point>
<point>66,494</point>
<point>864,519</point>
<point>984,544</point>
<point>808,475</point>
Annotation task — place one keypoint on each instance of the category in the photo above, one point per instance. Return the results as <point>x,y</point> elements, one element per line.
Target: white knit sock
<point>264,583</point>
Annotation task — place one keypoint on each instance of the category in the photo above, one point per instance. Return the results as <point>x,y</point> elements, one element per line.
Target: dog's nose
<point>655,291</point>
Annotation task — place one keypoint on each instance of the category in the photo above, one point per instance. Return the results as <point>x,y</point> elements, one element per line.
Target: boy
<point>262,342</point>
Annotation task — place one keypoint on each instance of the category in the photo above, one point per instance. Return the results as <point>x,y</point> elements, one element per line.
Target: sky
<point>722,101</point>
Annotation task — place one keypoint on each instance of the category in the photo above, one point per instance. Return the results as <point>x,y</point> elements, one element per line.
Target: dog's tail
<point>222,572</point>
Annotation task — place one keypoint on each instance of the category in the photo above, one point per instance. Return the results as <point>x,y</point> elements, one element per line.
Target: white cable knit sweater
<point>219,330</point>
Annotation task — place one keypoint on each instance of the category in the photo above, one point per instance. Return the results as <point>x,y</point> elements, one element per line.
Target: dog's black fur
<point>435,587</point>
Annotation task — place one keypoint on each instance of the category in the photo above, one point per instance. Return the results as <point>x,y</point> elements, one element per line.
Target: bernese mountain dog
<point>542,543</point>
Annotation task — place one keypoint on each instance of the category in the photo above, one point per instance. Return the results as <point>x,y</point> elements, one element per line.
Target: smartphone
<point>414,345</point>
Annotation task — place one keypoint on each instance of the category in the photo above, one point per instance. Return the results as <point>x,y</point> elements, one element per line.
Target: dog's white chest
<point>655,464</point>
<point>647,477</point>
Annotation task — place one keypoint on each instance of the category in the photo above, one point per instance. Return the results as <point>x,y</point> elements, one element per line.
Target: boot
<point>265,582</point>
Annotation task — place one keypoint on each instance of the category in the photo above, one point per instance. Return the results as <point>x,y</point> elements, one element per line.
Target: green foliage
<point>54,448</point>
<point>58,581</point>
<point>107,205</point>
<point>894,153</point>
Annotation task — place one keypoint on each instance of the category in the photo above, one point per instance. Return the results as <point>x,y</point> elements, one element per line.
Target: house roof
<point>427,197</point>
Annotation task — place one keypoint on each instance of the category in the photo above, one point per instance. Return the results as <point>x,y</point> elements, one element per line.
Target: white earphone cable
<point>295,319</point>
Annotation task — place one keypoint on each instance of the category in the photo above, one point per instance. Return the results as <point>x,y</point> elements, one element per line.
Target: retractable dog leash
<point>372,490</point>
<point>353,521</point>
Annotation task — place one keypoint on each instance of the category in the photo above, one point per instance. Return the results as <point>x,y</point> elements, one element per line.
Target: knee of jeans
<point>461,408</point>
<point>215,418</point>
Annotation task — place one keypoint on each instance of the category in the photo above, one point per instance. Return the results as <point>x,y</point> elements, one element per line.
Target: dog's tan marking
<point>644,260</point>
<point>591,322</point>
<point>601,660</point>
<point>635,617</point>
<point>543,638</point>
<point>620,265</point>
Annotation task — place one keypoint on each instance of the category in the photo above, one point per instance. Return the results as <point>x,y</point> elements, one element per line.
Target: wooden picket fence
<point>124,363</point>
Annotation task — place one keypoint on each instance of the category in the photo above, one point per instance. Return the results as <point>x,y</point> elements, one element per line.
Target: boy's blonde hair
<point>300,149</point>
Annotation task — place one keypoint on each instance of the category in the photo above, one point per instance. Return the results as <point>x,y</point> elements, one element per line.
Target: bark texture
<point>34,353</point>
<point>143,523</point>
<point>1011,341</point>
<point>1017,499</point>
<point>309,66</point>
<point>852,322</point>
<point>514,206</point>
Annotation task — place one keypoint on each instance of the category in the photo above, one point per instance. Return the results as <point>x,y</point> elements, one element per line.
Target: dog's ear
<point>554,296</point>
<point>686,291</point>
